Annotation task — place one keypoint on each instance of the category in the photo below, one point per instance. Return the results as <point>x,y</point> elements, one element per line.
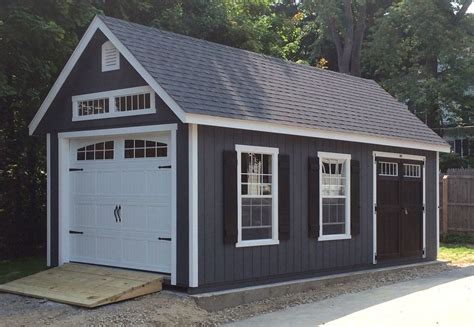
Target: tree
<point>421,52</point>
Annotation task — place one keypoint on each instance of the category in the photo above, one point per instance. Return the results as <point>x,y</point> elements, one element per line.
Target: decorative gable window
<point>110,57</point>
<point>116,103</point>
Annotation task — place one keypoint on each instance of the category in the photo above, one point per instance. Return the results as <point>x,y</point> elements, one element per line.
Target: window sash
<point>259,176</point>
<point>343,179</point>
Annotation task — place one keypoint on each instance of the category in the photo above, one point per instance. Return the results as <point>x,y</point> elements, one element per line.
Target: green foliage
<point>458,239</point>
<point>421,52</point>
<point>14,269</point>
<point>451,160</point>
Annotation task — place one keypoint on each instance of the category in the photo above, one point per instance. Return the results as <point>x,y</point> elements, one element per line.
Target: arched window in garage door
<point>144,149</point>
<point>97,151</point>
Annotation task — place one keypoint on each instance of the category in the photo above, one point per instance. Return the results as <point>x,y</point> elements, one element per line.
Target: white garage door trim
<point>64,194</point>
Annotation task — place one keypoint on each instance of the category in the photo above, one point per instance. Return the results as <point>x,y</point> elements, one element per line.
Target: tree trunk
<point>358,38</point>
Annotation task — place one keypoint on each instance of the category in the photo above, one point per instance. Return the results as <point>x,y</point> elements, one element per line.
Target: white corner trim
<point>120,131</point>
<point>174,207</point>
<point>193,206</point>
<point>424,211</point>
<point>311,132</point>
<point>399,156</point>
<point>48,200</point>
<point>261,150</point>
<point>98,24</point>
<point>112,110</point>
<point>437,204</point>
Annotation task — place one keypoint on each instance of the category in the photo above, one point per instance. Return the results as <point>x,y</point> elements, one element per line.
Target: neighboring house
<point>461,140</point>
<point>225,168</point>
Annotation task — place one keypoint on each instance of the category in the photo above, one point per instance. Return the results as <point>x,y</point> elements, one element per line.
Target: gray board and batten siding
<point>223,265</point>
<point>86,77</point>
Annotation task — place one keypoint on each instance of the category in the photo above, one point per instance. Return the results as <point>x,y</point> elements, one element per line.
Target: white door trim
<point>64,193</point>
<point>437,204</point>
<point>374,211</point>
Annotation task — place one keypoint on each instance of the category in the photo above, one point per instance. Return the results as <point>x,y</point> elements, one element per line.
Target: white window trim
<point>112,110</point>
<point>274,153</point>
<point>347,234</point>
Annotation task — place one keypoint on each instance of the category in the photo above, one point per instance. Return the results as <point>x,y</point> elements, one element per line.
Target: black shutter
<point>355,197</point>
<point>230,197</point>
<point>313,197</point>
<point>283,197</point>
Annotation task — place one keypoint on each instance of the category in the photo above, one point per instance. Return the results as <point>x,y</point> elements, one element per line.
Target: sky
<point>471,9</point>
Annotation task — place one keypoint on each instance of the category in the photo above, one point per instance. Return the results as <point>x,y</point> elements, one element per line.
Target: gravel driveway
<point>171,308</point>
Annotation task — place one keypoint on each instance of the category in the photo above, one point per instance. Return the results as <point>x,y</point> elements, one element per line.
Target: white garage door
<point>121,202</point>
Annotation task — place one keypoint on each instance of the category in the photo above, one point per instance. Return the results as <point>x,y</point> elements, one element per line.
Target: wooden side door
<point>411,216</point>
<point>399,208</point>
<point>388,208</point>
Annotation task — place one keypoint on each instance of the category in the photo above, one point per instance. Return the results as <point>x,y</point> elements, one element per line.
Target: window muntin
<point>334,196</point>
<point>257,195</point>
<point>137,101</point>
<point>96,151</point>
<point>388,168</point>
<point>411,170</point>
<point>144,149</point>
<point>116,103</point>
<point>93,107</point>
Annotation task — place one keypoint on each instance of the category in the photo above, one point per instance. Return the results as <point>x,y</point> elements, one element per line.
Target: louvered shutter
<point>313,197</point>
<point>283,197</point>
<point>230,197</point>
<point>355,197</point>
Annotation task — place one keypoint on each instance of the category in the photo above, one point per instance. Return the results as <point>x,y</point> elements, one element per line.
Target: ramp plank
<point>86,285</point>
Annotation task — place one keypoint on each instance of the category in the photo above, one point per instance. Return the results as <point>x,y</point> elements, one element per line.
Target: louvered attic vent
<point>110,57</point>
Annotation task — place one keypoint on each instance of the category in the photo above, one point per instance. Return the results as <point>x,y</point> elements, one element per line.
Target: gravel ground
<point>170,308</point>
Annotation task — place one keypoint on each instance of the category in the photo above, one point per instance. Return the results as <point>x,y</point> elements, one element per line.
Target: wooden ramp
<point>86,285</point>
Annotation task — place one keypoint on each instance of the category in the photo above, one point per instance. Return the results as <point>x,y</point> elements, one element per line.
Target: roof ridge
<point>261,55</point>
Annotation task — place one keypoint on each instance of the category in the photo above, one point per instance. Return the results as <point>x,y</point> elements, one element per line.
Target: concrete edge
<point>215,301</point>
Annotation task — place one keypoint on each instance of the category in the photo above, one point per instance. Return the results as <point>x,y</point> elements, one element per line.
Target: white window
<point>334,198</point>
<point>115,103</point>
<point>257,183</point>
<point>97,151</point>
<point>412,170</point>
<point>110,57</point>
<point>388,168</point>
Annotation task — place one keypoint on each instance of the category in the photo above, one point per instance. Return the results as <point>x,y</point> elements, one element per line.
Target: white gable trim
<point>98,24</point>
<point>312,132</point>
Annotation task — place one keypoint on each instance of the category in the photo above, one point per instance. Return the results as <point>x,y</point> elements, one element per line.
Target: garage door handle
<point>164,238</point>
<point>75,232</point>
<point>164,167</point>
<point>118,213</point>
<point>115,214</point>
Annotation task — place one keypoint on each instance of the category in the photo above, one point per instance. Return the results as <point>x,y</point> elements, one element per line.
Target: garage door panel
<point>85,183</point>
<point>159,254</point>
<point>159,182</point>
<point>135,251</point>
<point>108,182</point>
<point>158,218</point>
<point>134,182</point>
<point>83,246</point>
<point>109,248</point>
<point>134,217</point>
<point>84,215</point>
<point>106,217</point>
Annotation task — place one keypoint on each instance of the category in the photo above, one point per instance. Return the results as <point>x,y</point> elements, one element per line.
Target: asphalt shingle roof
<point>212,79</point>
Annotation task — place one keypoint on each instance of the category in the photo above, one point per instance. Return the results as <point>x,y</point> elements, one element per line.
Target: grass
<point>458,254</point>
<point>18,268</point>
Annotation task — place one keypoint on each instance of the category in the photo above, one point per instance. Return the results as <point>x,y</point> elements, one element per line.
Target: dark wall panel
<point>221,265</point>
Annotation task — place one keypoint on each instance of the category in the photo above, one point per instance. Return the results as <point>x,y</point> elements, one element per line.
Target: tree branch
<point>460,14</point>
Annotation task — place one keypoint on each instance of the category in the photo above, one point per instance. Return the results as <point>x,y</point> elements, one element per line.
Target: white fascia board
<point>119,131</point>
<point>311,132</point>
<point>98,24</point>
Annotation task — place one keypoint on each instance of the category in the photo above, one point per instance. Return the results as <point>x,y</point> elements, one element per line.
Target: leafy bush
<point>458,239</point>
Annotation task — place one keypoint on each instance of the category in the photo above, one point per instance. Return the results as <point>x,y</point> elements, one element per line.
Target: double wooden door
<point>399,208</point>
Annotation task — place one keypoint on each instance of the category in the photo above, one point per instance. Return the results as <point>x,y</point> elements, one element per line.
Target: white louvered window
<point>110,57</point>
<point>411,170</point>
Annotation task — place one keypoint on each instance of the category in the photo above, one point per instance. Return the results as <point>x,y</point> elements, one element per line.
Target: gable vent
<point>110,57</point>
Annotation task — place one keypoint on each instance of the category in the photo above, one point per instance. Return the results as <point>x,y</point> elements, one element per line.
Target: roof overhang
<point>98,24</point>
<point>313,132</point>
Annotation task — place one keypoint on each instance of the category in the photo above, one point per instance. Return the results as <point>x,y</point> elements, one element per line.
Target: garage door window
<point>97,151</point>
<point>145,149</point>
